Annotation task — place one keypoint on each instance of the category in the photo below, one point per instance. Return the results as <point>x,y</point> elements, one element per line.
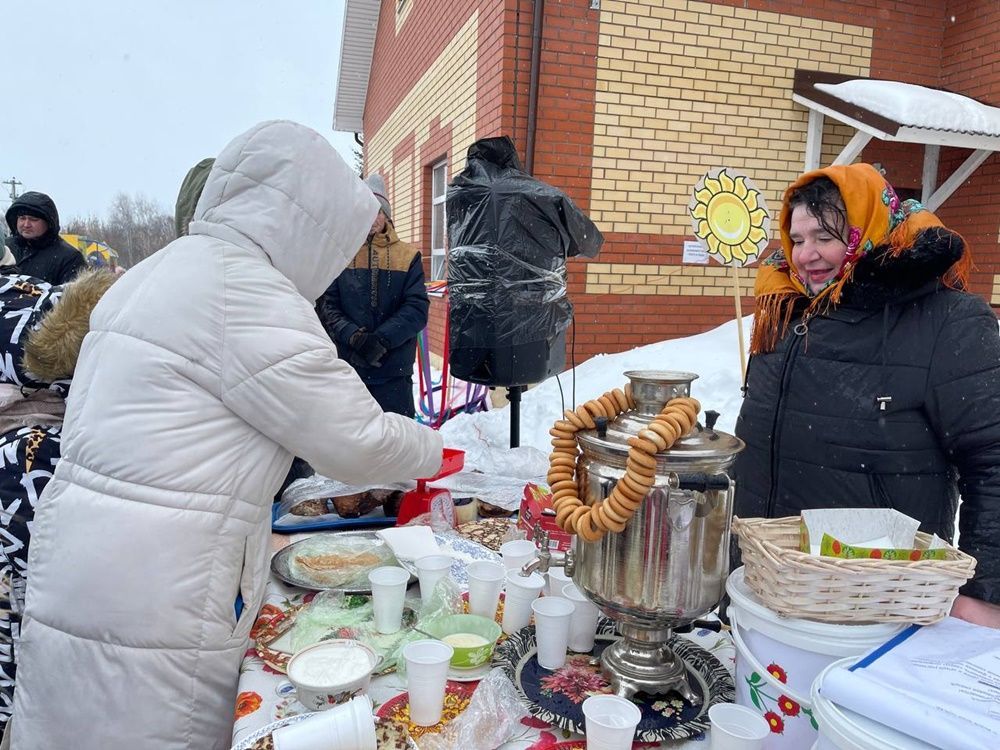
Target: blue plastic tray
<point>364,522</point>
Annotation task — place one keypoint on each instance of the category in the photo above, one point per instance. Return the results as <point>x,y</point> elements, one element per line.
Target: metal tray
<point>280,565</point>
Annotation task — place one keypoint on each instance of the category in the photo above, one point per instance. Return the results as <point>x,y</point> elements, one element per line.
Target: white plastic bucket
<point>840,729</point>
<point>777,659</point>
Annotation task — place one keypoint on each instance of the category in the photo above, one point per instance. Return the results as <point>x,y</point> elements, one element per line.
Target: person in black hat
<point>35,242</point>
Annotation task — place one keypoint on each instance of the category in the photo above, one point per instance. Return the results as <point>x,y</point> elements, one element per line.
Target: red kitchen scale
<point>426,500</point>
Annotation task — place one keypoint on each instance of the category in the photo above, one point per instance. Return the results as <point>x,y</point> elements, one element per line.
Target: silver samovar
<point>669,566</point>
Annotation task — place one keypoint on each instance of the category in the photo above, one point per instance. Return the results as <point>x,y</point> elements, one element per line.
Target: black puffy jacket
<point>890,400</point>
<point>382,291</point>
<point>49,257</point>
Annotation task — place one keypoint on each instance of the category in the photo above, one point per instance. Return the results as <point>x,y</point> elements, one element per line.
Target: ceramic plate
<point>464,551</point>
<point>557,696</point>
<point>387,735</point>
<point>280,565</point>
<point>397,711</point>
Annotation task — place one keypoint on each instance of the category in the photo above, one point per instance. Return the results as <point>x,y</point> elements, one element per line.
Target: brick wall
<point>638,99</point>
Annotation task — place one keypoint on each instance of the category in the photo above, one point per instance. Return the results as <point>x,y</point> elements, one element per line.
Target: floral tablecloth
<point>265,695</point>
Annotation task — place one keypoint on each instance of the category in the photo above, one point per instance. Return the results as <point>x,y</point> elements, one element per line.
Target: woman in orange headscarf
<point>875,377</point>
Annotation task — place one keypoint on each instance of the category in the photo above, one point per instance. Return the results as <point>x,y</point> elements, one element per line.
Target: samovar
<point>669,566</point>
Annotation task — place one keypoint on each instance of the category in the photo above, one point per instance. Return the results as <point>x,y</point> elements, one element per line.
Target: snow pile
<point>918,106</point>
<point>713,356</point>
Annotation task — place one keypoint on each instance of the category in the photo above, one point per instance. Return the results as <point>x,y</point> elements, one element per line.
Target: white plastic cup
<point>485,583</point>
<point>521,592</point>
<point>611,722</point>
<point>350,726</point>
<point>427,665</point>
<point>430,570</point>
<point>557,582</point>
<point>552,618</point>
<point>736,728</point>
<point>388,594</point>
<point>518,552</point>
<point>583,626</point>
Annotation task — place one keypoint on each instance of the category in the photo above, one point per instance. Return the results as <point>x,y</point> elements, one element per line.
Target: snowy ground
<point>713,356</point>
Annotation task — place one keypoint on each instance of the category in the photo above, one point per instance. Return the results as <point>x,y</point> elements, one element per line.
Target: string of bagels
<point>612,514</point>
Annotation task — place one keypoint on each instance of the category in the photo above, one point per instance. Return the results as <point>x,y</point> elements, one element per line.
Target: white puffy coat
<point>205,370</point>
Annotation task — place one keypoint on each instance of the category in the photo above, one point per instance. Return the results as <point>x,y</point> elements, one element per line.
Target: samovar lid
<point>651,390</point>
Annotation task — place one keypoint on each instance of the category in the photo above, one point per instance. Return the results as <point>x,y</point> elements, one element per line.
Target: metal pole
<point>514,396</point>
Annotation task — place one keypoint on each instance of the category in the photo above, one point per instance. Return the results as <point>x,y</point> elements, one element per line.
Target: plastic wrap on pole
<point>509,237</point>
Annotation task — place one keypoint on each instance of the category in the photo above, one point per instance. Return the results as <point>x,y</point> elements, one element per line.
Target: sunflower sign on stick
<point>730,218</point>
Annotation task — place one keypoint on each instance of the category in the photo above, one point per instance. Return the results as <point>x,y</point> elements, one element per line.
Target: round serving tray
<point>556,696</point>
<point>280,565</point>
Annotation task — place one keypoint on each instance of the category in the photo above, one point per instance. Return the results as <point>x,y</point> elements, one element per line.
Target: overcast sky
<point>102,96</point>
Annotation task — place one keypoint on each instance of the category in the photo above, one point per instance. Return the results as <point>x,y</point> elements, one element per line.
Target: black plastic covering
<point>509,236</point>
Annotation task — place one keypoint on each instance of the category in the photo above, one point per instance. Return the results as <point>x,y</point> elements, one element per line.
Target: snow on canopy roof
<point>918,106</point>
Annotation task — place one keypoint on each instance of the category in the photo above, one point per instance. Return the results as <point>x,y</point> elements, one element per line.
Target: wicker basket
<point>856,591</point>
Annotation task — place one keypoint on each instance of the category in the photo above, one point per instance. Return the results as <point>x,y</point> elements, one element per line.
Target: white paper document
<point>940,683</point>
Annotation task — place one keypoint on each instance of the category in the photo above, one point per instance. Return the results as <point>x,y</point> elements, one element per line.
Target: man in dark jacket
<point>35,242</point>
<point>375,309</point>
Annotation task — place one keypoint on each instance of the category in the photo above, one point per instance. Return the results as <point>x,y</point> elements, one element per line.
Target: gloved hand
<point>373,349</point>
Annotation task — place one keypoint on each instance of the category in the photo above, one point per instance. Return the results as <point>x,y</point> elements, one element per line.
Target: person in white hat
<point>377,307</point>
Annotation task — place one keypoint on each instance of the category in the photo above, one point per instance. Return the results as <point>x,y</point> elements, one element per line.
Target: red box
<point>534,504</point>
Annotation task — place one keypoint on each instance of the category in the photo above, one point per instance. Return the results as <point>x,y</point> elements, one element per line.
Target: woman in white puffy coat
<point>205,371</point>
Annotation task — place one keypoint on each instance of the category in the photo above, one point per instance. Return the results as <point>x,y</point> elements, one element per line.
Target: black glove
<point>370,347</point>
<point>357,338</point>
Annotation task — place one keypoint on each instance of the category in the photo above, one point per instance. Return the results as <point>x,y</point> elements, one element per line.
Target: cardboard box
<point>536,509</point>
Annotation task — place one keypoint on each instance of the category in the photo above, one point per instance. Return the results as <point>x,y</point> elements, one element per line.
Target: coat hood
<point>52,349</point>
<point>36,204</point>
<point>283,188</point>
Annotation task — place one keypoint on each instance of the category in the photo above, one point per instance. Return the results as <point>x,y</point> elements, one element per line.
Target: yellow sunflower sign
<point>730,218</point>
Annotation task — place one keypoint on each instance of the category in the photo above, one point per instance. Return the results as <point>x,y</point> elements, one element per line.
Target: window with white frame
<point>439,189</point>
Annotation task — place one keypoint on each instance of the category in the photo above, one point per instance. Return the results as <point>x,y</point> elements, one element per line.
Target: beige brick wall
<point>995,297</point>
<point>685,86</point>
<point>684,280</point>
<point>446,92</point>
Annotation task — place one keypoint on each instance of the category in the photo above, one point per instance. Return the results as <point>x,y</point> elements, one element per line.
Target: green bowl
<point>467,657</point>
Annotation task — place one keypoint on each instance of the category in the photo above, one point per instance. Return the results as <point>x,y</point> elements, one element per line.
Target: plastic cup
<point>430,570</point>
<point>485,583</point>
<point>736,728</point>
<point>388,593</point>
<point>610,722</point>
<point>427,665</point>
<point>583,626</point>
<point>349,726</point>
<point>521,592</point>
<point>552,618</point>
<point>557,582</point>
<point>515,554</point>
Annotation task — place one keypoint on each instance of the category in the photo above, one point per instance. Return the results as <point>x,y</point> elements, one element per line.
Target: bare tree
<point>135,226</point>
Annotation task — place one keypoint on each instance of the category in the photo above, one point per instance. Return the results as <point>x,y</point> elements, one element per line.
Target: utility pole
<point>14,183</point>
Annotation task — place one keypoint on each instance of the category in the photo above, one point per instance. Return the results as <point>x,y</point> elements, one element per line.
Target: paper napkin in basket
<point>410,543</point>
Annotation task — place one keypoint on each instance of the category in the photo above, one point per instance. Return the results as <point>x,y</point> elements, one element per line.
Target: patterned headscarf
<point>875,218</point>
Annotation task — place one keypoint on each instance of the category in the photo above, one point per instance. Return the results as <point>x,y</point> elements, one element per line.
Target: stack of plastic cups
<point>485,583</point>
<point>583,626</point>
<point>611,722</point>
<point>521,592</point>
<point>426,679</point>
<point>430,570</point>
<point>350,726</point>
<point>518,552</point>
<point>388,595</point>
<point>552,618</point>
<point>736,728</point>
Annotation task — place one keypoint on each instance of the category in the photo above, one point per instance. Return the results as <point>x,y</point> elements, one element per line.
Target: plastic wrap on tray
<point>492,718</point>
<point>317,498</point>
<point>336,561</point>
